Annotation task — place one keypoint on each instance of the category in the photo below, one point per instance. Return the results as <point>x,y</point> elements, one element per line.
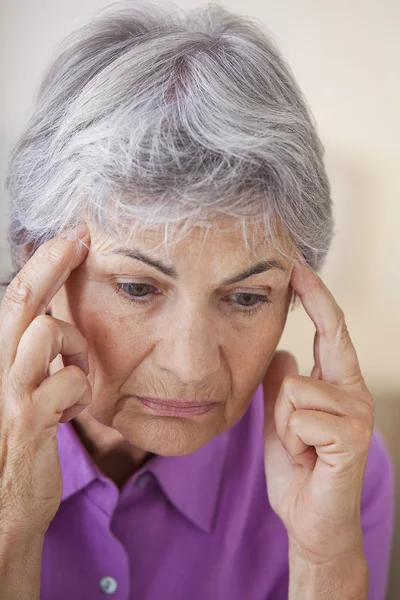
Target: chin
<point>167,436</point>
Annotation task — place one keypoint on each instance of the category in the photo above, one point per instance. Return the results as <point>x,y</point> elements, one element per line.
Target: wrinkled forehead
<point>225,237</point>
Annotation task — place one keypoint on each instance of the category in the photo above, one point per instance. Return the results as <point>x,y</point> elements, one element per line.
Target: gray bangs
<point>151,117</point>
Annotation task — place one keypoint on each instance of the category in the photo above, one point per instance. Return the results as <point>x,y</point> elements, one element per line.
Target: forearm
<point>20,567</point>
<point>345,579</point>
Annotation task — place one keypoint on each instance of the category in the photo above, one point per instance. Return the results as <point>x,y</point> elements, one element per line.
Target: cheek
<point>251,350</point>
<point>120,346</point>
<point>116,344</point>
<point>248,360</point>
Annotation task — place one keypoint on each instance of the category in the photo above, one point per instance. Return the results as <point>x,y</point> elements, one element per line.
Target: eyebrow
<point>260,267</point>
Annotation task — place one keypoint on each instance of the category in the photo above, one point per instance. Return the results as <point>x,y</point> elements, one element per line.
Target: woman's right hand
<point>32,404</point>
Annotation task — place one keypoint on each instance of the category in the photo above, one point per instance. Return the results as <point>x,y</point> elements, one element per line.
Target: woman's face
<point>180,331</point>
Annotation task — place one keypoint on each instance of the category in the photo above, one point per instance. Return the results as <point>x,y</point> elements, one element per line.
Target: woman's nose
<point>189,349</point>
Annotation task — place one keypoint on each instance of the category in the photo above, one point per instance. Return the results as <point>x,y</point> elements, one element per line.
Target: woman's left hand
<point>325,423</point>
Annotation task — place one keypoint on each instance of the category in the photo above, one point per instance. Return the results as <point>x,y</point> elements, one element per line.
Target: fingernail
<point>301,259</point>
<point>79,232</point>
<point>76,233</point>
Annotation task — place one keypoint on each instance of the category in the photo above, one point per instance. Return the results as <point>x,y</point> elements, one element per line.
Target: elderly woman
<point>168,204</point>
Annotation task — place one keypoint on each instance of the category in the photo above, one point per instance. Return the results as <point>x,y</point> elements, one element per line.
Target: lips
<point>177,407</point>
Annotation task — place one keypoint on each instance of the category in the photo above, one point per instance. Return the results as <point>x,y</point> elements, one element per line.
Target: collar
<point>192,483</point>
<point>77,466</point>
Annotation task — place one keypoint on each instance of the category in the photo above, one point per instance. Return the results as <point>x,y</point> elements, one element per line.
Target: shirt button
<point>108,585</point>
<point>144,479</point>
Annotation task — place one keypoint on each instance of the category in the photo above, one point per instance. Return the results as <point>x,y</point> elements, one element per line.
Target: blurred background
<point>345,56</point>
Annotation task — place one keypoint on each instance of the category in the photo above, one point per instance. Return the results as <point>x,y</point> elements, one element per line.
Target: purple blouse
<point>195,527</point>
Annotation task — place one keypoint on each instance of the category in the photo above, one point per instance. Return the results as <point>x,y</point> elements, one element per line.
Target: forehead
<point>224,238</point>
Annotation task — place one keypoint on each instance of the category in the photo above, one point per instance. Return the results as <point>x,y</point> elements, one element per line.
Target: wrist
<point>20,566</point>
<point>344,577</point>
<point>15,547</point>
<point>322,549</point>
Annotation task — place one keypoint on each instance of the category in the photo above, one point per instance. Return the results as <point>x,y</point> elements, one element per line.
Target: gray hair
<point>151,116</point>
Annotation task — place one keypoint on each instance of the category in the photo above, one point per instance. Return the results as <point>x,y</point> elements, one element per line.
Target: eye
<point>249,303</point>
<point>244,302</point>
<point>247,299</point>
<point>134,291</point>
<point>137,289</point>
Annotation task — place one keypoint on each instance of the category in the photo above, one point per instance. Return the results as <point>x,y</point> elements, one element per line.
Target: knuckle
<point>292,386</point>
<point>288,388</point>
<point>18,293</point>
<point>46,325</point>
<point>289,383</point>
<point>50,252</point>
<point>344,332</point>
<point>362,431</point>
<point>21,420</point>
<point>341,315</point>
<point>340,321</point>
<point>15,401</point>
<point>338,329</point>
<point>14,383</point>
<point>294,420</point>
<point>78,376</point>
<point>54,254</point>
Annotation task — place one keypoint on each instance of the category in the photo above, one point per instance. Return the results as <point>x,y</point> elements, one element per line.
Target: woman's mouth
<point>176,408</point>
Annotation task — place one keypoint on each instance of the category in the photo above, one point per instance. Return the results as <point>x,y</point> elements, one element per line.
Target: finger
<point>277,462</point>
<point>316,370</point>
<point>56,337</point>
<point>282,364</point>
<point>338,441</point>
<point>334,351</point>
<point>303,393</point>
<point>30,292</point>
<point>66,392</point>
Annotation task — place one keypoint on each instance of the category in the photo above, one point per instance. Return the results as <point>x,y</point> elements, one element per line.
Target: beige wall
<point>345,55</point>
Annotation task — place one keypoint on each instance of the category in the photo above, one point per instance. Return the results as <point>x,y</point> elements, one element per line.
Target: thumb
<point>282,364</point>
